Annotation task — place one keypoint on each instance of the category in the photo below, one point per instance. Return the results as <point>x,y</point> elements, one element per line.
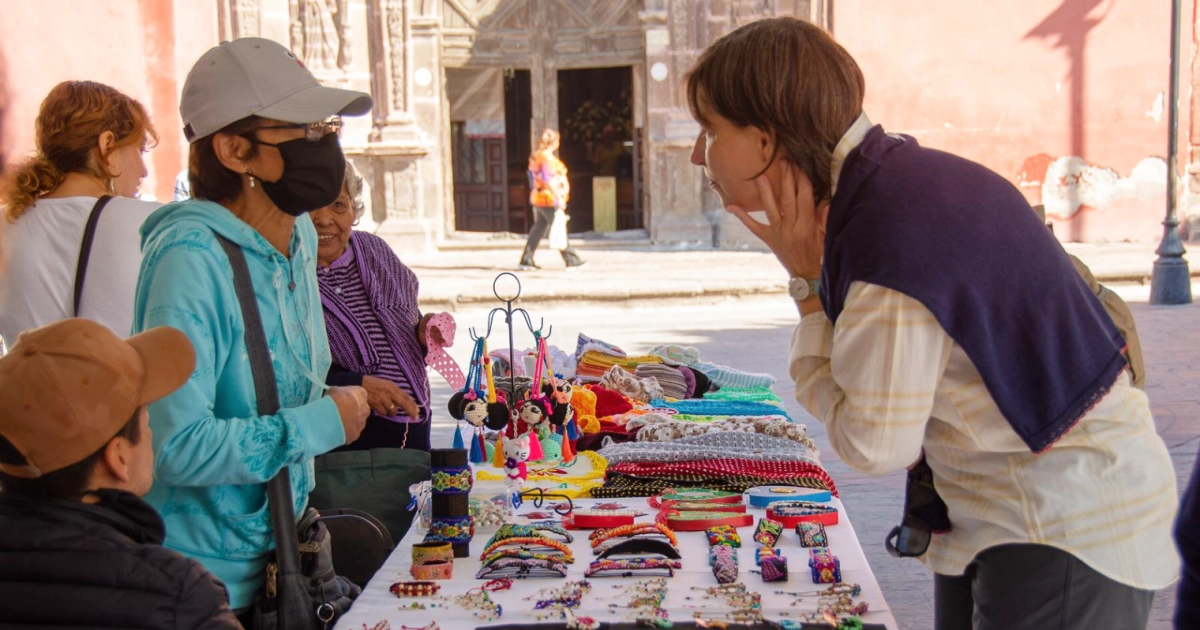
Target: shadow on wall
<point>1067,27</point>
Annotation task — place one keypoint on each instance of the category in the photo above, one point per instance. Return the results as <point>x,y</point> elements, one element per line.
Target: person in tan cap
<point>78,546</point>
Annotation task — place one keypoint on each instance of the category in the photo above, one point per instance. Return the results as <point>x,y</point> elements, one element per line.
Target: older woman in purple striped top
<point>377,334</point>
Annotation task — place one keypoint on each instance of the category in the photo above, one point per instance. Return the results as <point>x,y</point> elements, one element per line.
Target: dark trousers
<point>542,218</point>
<point>1024,586</point>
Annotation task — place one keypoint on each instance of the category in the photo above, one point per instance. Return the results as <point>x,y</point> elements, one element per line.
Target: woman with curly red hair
<point>90,142</point>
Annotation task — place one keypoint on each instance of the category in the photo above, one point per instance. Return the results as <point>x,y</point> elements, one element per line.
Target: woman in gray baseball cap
<point>264,152</point>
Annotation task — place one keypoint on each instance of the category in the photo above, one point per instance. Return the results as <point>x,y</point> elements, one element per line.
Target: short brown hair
<point>68,128</point>
<point>65,484</point>
<point>210,180</point>
<point>788,78</point>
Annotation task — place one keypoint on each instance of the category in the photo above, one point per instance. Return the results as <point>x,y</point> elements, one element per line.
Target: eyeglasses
<point>313,132</point>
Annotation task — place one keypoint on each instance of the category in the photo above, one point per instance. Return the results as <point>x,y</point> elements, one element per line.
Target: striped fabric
<point>888,381</point>
<point>371,315</point>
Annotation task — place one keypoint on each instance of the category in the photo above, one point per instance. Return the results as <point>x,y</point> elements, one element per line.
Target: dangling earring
<point>251,175</point>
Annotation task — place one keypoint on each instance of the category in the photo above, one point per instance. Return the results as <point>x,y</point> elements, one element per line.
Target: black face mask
<point>312,175</point>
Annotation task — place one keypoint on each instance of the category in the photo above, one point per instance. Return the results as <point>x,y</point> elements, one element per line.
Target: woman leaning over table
<point>264,152</point>
<point>378,339</point>
<point>90,142</point>
<point>947,327</point>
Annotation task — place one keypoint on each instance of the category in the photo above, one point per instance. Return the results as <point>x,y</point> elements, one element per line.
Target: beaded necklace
<point>645,602</point>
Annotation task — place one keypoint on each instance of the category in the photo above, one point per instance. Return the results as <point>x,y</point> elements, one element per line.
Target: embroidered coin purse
<point>812,535</point>
<point>768,531</point>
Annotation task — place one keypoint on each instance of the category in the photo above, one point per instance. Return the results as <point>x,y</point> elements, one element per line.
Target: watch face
<point>798,288</point>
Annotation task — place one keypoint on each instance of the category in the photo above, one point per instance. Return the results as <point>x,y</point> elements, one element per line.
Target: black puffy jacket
<point>65,564</point>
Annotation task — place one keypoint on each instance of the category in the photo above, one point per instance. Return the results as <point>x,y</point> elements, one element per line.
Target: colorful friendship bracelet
<point>519,569</point>
<point>696,521</point>
<point>511,530</point>
<point>424,552</point>
<point>522,553</point>
<point>594,519</point>
<point>540,541</point>
<point>434,570</point>
<point>452,480</point>
<point>632,567</point>
<point>600,536</point>
<point>792,513</point>
<point>451,529</point>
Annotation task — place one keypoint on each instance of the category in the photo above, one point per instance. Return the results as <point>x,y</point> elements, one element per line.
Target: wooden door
<point>480,187</point>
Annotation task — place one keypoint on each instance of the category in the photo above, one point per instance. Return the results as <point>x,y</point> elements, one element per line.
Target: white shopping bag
<point>558,230</point>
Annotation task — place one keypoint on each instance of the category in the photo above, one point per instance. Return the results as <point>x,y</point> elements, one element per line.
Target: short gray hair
<point>354,185</point>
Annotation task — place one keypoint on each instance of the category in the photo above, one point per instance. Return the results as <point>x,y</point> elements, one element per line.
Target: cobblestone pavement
<point>753,334</point>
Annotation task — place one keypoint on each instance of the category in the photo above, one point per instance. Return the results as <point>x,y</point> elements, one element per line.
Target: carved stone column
<point>404,174</point>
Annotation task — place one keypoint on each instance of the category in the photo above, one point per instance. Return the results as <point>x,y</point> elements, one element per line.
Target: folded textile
<point>585,343</point>
<point>728,444</point>
<point>676,354</point>
<point>669,379</point>
<point>643,389</point>
<point>583,401</point>
<point>747,394</point>
<point>702,407</point>
<point>618,485</point>
<point>609,402</point>
<point>779,473</point>
<point>660,428</point>
<point>728,377</point>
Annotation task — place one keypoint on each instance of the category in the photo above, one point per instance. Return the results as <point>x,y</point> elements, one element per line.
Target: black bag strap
<point>85,248</point>
<point>279,489</point>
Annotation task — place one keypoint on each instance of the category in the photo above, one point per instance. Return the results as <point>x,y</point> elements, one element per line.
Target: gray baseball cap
<point>252,76</point>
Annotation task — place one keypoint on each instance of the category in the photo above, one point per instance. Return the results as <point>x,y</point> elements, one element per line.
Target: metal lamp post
<point>1170,282</point>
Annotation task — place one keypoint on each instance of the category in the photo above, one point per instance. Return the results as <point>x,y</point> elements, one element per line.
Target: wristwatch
<point>803,288</point>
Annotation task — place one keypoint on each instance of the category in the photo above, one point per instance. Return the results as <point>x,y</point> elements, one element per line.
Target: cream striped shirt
<point>888,381</point>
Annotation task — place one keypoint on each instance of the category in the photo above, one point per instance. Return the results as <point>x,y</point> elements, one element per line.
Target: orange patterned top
<point>548,177</point>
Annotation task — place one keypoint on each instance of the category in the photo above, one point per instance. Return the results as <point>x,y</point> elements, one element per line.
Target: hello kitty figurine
<point>516,453</point>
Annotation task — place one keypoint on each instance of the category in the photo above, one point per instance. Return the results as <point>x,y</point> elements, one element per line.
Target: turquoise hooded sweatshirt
<point>213,453</point>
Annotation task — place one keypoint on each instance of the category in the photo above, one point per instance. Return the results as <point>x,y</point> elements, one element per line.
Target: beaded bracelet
<point>510,530</point>
<point>455,480</point>
<point>452,529</point>
<point>525,554</point>
<point>517,568</point>
<point>423,552</point>
<point>415,589</point>
<point>631,567</point>
<point>792,513</point>
<point>434,570</point>
<point>539,541</point>
<point>601,535</point>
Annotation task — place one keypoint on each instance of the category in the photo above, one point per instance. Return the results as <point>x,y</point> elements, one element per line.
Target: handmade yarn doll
<point>516,453</point>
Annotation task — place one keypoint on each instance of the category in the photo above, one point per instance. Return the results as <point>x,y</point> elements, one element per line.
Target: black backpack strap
<point>85,248</point>
<point>279,489</point>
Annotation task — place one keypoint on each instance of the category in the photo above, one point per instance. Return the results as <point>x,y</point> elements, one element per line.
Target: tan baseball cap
<point>252,76</point>
<point>67,388</point>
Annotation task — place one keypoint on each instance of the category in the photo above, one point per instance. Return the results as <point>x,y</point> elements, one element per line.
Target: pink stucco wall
<point>1020,85</point>
<point>141,47</point>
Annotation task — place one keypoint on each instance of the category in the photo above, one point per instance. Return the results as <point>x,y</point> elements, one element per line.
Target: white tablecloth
<point>377,604</point>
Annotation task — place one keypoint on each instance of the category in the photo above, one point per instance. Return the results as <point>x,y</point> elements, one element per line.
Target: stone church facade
<point>402,52</point>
